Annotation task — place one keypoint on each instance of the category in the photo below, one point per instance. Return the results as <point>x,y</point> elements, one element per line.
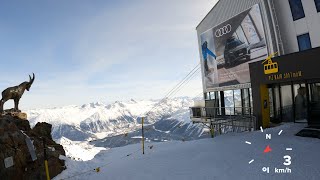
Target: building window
<point>304,42</point>
<point>317,5</point>
<point>207,96</point>
<point>296,9</point>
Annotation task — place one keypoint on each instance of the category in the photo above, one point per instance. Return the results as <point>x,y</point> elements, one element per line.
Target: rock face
<point>15,113</point>
<point>13,135</point>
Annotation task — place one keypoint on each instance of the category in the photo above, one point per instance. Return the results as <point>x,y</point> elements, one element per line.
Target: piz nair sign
<point>272,70</point>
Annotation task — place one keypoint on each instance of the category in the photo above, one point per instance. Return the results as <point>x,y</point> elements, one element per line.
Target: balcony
<point>224,119</point>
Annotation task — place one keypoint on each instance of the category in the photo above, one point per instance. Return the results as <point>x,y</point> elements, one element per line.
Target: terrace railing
<point>226,119</point>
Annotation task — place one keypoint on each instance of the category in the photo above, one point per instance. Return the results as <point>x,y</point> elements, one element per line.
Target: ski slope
<point>225,157</point>
<point>79,150</point>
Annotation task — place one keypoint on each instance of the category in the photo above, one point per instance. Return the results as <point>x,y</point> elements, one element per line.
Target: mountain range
<point>119,123</point>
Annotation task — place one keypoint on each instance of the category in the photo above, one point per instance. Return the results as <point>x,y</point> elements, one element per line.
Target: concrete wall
<point>290,29</point>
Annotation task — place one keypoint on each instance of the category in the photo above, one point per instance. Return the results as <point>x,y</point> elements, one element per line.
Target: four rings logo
<point>223,30</point>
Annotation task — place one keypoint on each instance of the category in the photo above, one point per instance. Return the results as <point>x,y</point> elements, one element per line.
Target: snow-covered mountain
<point>98,120</point>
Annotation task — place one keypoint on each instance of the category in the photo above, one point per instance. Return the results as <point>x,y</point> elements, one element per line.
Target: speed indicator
<point>268,149</point>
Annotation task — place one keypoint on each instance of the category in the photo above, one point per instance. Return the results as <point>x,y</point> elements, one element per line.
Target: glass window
<point>286,99</point>
<point>276,101</point>
<point>296,9</point>
<point>246,101</point>
<point>218,102</point>
<point>304,42</point>
<point>317,5</point>
<point>251,100</point>
<point>229,102</point>
<point>206,96</point>
<point>300,102</point>
<point>271,103</point>
<point>211,95</point>
<point>237,101</point>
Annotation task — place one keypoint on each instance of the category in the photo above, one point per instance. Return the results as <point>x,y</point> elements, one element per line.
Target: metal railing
<point>224,119</point>
<point>215,112</point>
<point>235,124</point>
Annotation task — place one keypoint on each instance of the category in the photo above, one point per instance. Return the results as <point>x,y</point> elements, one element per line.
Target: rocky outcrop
<point>15,113</point>
<point>13,134</point>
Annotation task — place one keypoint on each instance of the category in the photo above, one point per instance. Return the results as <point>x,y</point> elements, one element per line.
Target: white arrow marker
<point>251,161</point>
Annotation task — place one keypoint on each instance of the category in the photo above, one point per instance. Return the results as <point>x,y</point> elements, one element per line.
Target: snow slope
<point>222,158</point>
<point>79,150</point>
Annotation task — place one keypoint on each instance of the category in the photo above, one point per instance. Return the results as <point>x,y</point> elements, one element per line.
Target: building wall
<point>290,29</point>
<point>283,40</point>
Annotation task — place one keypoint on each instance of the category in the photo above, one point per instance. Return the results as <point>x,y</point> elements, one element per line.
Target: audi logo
<point>223,30</point>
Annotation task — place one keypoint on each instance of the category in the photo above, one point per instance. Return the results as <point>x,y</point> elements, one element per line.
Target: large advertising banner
<point>227,49</point>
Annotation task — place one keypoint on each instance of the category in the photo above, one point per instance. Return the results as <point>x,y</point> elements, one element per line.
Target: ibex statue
<point>15,93</point>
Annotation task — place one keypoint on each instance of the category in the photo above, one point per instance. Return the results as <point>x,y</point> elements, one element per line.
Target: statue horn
<point>31,79</point>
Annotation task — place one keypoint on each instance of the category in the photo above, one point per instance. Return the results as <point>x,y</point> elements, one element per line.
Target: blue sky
<point>87,51</point>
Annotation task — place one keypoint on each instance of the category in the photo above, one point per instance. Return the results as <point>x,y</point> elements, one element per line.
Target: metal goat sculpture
<point>15,93</point>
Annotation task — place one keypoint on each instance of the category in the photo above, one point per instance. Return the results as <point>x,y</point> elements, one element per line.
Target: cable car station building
<point>261,59</point>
